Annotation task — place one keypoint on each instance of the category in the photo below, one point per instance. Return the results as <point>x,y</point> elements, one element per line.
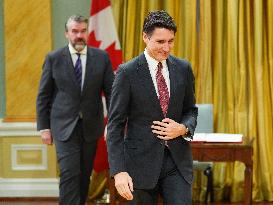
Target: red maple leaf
<point>115,55</point>
<point>92,41</point>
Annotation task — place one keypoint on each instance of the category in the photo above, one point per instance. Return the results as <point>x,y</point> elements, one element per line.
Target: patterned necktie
<point>162,89</point>
<point>78,69</point>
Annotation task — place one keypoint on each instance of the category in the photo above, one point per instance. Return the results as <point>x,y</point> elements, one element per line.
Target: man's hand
<point>46,137</point>
<point>124,185</point>
<point>168,129</point>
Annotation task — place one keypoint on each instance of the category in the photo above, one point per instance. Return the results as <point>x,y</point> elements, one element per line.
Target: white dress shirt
<point>74,57</point>
<point>152,64</point>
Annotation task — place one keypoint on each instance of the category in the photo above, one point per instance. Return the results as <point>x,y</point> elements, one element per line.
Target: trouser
<point>75,159</point>
<point>173,188</point>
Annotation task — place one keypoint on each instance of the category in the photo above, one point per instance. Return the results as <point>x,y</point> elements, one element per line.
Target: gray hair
<point>75,18</point>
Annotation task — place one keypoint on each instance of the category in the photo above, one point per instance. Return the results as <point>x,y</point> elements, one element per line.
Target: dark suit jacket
<point>60,99</point>
<point>134,102</point>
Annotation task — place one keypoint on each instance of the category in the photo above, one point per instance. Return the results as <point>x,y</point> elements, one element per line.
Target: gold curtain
<point>230,46</point>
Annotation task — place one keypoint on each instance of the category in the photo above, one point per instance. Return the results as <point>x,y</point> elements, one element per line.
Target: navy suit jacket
<point>60,99</point>
<point>134,105</point>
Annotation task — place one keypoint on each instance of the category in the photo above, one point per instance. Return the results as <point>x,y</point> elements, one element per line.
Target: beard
<point>79,44</point>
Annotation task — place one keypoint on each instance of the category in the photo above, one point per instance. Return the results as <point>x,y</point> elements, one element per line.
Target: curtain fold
<point>230,46</point>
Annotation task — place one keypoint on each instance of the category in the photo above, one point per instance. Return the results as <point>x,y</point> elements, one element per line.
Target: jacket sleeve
<point>44,97</point>
<point>108,81</point>
<point>117,120</point>
<point>190,111</point>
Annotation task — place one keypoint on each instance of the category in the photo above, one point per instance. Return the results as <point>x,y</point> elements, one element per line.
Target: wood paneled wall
<point>27,31</point>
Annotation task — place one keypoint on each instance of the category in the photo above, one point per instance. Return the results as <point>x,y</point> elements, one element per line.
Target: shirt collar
<point>72,50</point>
<point>152,62</point>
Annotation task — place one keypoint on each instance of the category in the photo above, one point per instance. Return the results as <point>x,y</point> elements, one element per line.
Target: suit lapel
<point>90,59</point>
<point>70,67</point>
<point>173,84</point>
<point>146,80</point>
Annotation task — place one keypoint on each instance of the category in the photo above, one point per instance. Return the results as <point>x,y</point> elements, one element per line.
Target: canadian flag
<point>103,35</point>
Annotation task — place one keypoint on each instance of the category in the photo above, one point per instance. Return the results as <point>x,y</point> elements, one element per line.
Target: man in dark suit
<point>70,109</point>
<point>152,117</point>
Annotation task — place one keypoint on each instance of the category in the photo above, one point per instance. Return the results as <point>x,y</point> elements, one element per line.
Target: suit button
<point>80,115</point>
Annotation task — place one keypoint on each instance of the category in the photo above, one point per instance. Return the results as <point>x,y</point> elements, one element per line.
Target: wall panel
<point>2,63</point>
<point>27,31</point>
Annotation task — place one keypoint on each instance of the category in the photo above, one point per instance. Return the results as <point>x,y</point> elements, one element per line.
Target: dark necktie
<point>162,89</point>
<point>78,69</point>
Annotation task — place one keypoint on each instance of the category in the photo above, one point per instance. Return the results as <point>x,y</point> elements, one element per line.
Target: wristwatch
<point>187,130</point>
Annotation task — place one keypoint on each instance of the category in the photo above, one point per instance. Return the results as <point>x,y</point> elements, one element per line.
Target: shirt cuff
<point>188,139</point>
<point>44,130</point>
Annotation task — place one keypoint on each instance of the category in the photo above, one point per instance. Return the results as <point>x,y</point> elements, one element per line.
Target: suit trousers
<point>171,186</point>
<point>75,158</point>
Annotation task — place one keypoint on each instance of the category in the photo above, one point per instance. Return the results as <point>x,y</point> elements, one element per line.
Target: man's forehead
<point>77,25</point>
<point>161,30</point>
<point>162,34</point>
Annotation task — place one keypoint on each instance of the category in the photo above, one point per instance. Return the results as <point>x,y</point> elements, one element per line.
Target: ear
<point>145,37</point>
<point>66,34</point>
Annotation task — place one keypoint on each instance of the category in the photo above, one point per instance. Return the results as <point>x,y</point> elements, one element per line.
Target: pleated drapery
<point>230,46</point>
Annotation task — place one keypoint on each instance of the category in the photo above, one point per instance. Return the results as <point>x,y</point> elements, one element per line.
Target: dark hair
<point>76,18</point>
<point>158,19</point>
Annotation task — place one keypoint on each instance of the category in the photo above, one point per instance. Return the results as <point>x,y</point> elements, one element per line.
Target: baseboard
<point>29,187</point>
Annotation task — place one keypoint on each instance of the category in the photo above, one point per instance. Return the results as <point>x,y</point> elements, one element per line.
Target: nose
<point>166,47</point>
<point>79,34</point>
